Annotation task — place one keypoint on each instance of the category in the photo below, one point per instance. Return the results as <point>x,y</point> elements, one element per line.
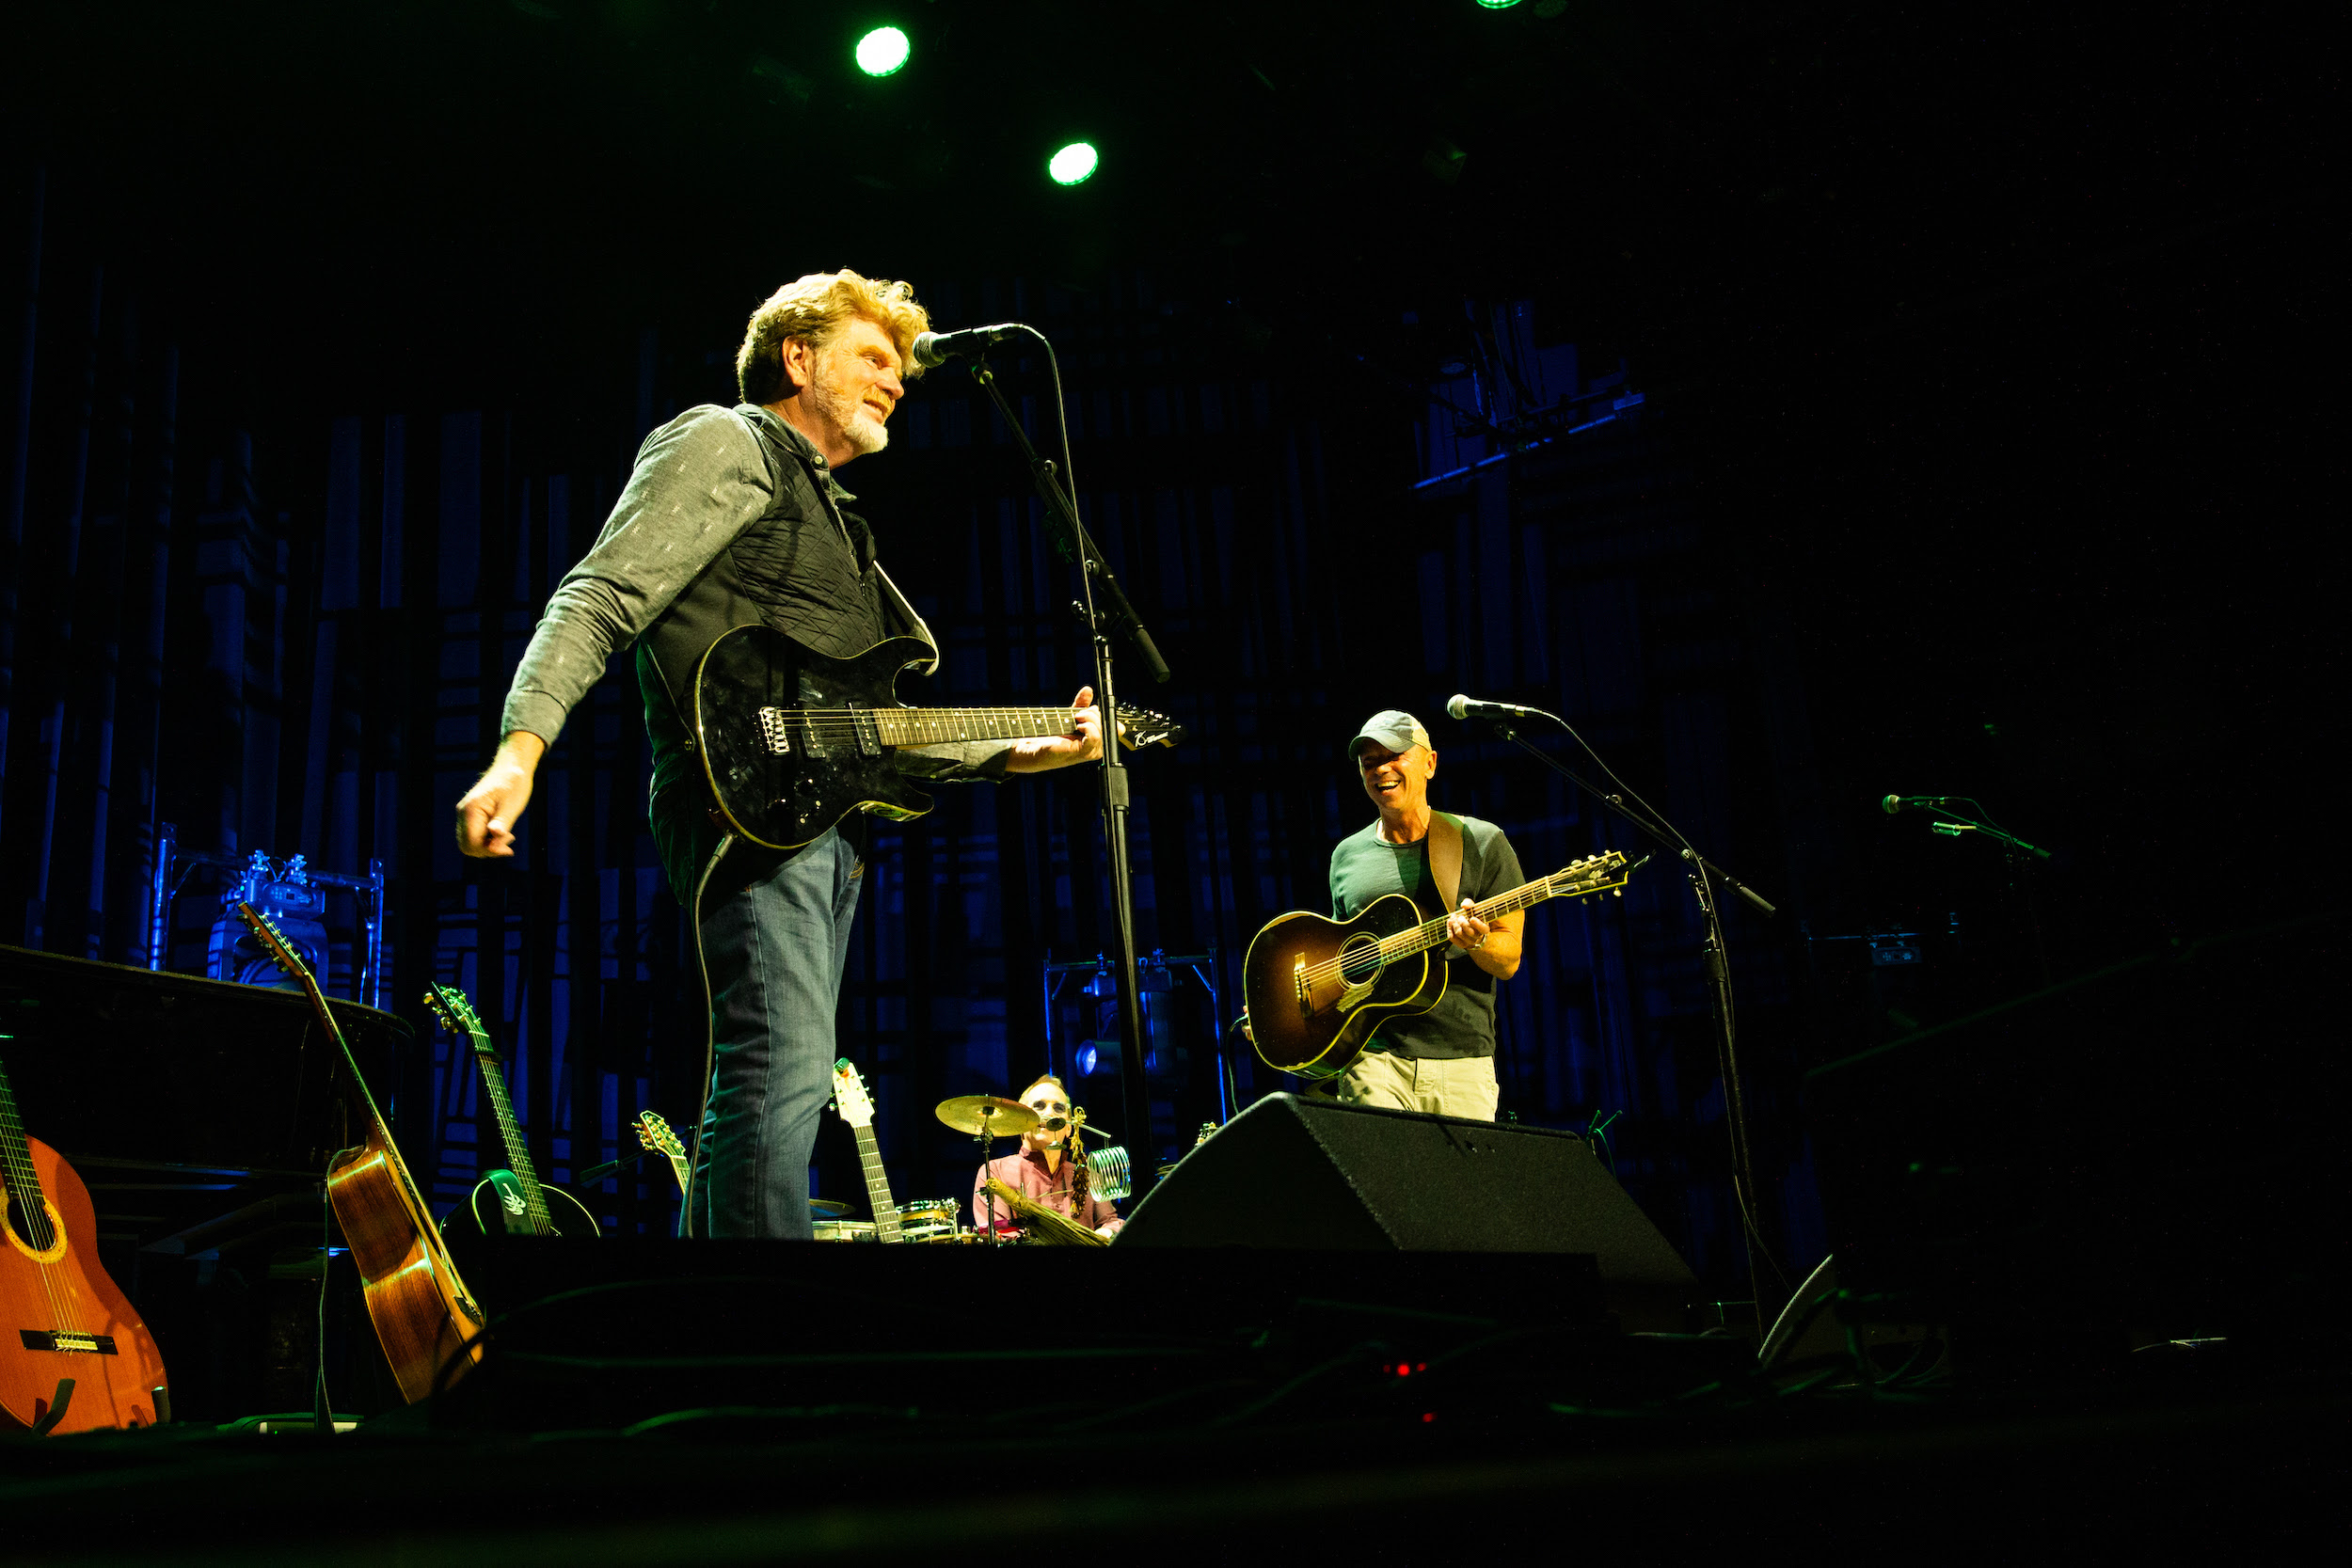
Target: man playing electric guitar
<point>1442,1060</point>
<point>732,518</point>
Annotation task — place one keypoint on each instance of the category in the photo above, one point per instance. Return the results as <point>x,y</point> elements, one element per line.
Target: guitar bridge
<point>1298,985</point>
<point>773,731</point>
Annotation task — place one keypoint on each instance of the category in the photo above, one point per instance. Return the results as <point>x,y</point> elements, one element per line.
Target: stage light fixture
<point>1073,164</point>
<point>883,51</point>
<point>1497,4</point>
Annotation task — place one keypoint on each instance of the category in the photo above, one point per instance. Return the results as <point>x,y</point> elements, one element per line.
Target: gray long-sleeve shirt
<point>699,482</point>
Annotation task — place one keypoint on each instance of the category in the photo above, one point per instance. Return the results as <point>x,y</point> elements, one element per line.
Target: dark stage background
<point>1962,436</point>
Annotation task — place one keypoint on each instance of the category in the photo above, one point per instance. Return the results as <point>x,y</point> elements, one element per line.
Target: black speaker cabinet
<point>1311,1176</point>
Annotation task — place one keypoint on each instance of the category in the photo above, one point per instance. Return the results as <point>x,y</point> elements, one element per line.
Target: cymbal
<point>831,1207</point>
<point>973,1113</point>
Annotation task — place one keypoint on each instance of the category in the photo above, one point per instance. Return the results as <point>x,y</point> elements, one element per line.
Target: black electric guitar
<point>850,1099</point>
<point>1318,988</point>
<point>509,1202</point>
<point>792,741</point>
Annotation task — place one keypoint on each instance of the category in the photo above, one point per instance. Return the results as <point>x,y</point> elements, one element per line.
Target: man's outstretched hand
<point>1083,743</point>
<point>488,813</point>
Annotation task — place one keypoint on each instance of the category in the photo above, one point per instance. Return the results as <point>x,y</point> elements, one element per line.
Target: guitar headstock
<point>1592,875</point>
<point>456,1015</point>
<point>848,1095</point>
<point>1139,727</point>
<point>274,942</point>
<point>654,1134</point>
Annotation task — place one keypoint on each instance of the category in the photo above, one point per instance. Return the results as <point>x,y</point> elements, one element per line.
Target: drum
<point>930,1219</point>
<point>845,1231</point>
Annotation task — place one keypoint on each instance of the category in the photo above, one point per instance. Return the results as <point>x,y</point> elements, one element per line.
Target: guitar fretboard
<point>16,1162</point>
<point>1431,933</point>
<point>935,726</point>
<point>876,1185</point>
<point>518,1155</point>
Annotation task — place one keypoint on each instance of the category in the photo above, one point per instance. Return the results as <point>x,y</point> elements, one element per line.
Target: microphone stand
<point>1077,547</point>
<point>1704,875</point>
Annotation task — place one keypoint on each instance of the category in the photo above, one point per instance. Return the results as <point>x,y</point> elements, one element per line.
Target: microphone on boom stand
<point>595,1174</point>
<point>1460,706</point>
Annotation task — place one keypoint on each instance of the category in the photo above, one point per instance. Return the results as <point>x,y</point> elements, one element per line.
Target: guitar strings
<point>1419,938</point>
<point>24,1185</point>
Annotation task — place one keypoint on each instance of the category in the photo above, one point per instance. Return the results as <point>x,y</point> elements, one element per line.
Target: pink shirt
<point>1025,1173</point>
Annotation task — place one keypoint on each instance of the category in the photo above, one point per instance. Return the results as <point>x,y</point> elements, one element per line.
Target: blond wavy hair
<point>814,310</point>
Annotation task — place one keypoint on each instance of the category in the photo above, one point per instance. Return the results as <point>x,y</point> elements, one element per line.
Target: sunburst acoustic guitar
<point>1318,988</point>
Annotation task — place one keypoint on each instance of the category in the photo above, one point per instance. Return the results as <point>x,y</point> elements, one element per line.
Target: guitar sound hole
<point>1360,961</point>
<point>31,1225</point>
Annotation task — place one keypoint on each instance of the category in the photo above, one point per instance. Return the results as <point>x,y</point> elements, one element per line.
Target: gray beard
<point>849,412</point>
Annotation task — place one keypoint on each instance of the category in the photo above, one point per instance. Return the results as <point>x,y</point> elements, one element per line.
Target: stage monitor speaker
<point>1312,1176</point>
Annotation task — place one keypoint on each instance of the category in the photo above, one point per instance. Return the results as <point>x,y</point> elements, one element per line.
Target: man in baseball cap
<point>1442,1059</point>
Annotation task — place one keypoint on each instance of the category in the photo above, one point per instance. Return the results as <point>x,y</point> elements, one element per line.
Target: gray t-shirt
<point>1364,867</point>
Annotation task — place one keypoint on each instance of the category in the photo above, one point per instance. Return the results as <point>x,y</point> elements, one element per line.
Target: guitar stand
<point>60,1402</point>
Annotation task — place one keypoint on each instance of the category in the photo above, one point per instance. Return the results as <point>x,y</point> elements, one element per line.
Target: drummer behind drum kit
<point>935,1220</point>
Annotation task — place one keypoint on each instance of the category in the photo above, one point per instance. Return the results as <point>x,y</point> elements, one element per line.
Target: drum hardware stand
<point>1705,877</point>
<point>1070,540</point>
<point>986,1138</point>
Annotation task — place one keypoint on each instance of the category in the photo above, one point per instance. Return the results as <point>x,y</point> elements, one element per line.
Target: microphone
<point>1470,707</point>
<point>1893,804</point>
<point>595,1174</point>
<point>935,349</point>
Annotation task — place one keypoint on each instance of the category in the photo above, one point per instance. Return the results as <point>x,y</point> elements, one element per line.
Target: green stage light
<point>1073,164</point>
<point>1498,5</point>
<point>883,51</point>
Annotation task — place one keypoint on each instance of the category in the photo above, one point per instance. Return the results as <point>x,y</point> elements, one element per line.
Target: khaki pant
<point>1456,1087</point>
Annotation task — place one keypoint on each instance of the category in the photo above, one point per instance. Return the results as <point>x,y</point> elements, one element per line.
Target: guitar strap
<point>1445,859</point>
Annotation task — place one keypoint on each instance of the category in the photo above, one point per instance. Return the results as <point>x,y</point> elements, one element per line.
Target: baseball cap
<point>1395,730</point>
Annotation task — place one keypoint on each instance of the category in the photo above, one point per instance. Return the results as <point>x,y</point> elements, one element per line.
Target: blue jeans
<point>775,946</point>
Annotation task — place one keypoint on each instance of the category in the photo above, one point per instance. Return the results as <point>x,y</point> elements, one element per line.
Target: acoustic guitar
<point>509,1202</point>
<point>792,741</point>
<point>1318,988</point>
<point>74,1355</point>
<point>427,1320</point>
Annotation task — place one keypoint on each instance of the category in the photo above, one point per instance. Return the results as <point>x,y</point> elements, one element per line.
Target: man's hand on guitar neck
<point>488,813</point>
<point>1492,947</point>
<point>1084,742</point>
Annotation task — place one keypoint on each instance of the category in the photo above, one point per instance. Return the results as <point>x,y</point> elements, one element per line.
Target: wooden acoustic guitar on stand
<point>509,1202</point>
<point>74,1355</point>
<point>427,1322</point>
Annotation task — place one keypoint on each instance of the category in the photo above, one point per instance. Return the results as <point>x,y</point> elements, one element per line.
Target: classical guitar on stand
<point>508,1202</point>
<point>1318,988</point>
<point>74,1355</point>
<point>425,1318</point>
<point>850,1099</point>
<point>792,741</point>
